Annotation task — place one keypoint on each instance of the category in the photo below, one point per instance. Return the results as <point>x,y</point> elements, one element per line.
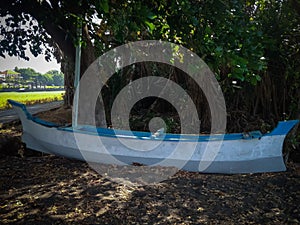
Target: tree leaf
<point>150,25</point>
<point>104,5</point>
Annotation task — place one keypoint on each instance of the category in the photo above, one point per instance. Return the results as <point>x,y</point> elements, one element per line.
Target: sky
<point>39,64</point>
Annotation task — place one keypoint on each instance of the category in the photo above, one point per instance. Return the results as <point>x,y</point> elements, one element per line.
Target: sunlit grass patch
<point>29,98</point>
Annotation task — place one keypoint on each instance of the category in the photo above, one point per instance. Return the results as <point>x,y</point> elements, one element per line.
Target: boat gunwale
<point>140,135</point>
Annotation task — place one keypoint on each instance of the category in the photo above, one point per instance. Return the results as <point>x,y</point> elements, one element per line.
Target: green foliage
<point>227,35</point>
<point>248,42</point>
<point>52,77</point>
<point>19,31</point>
<point>55,77</point>
<point>235,38</point>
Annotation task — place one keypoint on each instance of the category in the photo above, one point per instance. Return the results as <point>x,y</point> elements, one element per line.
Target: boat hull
<point>228,154</point>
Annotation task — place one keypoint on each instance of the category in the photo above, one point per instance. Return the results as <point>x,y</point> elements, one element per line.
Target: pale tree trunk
<point>68,68</point>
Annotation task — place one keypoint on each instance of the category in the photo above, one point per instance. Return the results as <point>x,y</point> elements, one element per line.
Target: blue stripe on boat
<point>284,127</point>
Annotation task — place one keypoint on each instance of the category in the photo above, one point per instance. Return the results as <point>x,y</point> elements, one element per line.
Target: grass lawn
<point>30,97</point>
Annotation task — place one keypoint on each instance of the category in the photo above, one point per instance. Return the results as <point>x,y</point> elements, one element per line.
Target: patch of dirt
<point>10,141</point>
<point>61,116</point>
<point>54,190</point>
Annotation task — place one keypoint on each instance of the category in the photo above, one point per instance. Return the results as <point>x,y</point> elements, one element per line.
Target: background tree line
<point>28,77</point>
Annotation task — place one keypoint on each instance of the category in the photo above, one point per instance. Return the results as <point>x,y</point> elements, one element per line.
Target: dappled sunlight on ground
<point>54,190</point>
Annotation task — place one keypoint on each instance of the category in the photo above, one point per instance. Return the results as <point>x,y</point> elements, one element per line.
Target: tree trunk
<point>68,69</point>
<point>88,56</point>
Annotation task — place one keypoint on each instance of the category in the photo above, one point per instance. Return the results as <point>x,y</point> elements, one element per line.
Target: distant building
<point>9,74</point>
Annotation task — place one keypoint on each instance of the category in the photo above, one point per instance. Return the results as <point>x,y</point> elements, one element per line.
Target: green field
<point>29,98</point>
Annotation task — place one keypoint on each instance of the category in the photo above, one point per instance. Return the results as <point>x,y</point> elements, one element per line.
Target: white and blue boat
<point>236,153</point>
